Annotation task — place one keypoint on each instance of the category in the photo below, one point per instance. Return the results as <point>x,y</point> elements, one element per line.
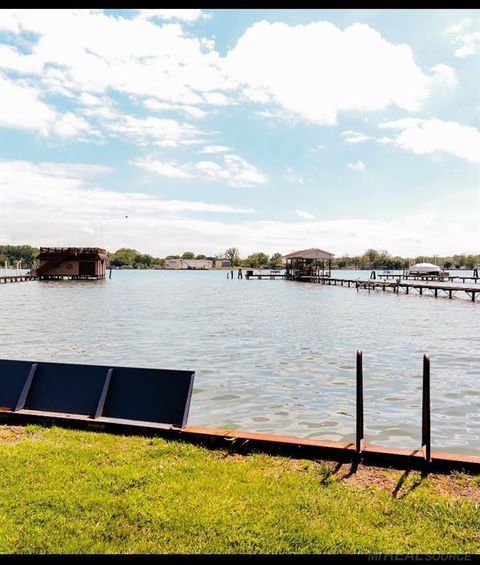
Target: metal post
<point>359,430</point>
<point>426,431</point>
<point>103,395</point>
<point>26,388</point>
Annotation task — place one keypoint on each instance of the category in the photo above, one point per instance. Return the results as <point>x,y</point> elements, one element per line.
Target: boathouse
<point>71,263</point>
<point>308,264</point>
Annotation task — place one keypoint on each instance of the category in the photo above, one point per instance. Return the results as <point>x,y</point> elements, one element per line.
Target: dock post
<point>359,403</point>
<point>426,431</point>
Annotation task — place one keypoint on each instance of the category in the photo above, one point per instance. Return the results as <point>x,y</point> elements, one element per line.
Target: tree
<point>12,253</point>
<point>256,260</point>
<point>142,260</point>
<point>200,256</point>
<point>232,254</point>
<point>123,257</point>
<point>276,261</point>
<point>188,255</point>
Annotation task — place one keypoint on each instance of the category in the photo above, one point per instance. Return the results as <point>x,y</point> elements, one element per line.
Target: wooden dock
<point>264,276</point>
<point>421,287</point>
<point>435,289</point>
<point>16,278</point>
<point>432,278</point>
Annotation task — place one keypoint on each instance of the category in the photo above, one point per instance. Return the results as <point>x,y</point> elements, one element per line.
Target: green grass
<point>84,492</point>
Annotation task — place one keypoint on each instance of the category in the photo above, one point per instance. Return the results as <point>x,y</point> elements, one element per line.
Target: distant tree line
<point>131,258</point>
<point>375,259</point>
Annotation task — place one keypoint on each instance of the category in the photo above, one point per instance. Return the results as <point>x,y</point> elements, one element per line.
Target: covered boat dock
<point>308,265</point>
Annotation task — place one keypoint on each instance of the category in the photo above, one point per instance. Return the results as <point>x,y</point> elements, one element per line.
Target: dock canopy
<point>424,269</point>
<point>106,394</point>
<point>308,264</point>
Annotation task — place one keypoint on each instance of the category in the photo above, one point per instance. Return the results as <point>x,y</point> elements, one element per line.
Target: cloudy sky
<point>272,130</point>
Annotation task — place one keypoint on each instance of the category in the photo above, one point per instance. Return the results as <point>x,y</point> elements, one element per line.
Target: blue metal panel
<point>127,393</point>
<point>63,387</point>
<point>13,375</point>
<point>148,394</point>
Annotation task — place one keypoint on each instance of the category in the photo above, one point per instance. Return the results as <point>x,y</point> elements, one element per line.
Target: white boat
<point>426,269</point>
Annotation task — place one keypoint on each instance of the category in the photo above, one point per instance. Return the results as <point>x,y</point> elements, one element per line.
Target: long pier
<point>432,278</point>
<point>23,278</point>
<point>422,287</point>
<point>16,278</point>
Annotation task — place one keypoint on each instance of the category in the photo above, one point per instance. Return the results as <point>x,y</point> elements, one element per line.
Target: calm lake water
<point>269,356</point>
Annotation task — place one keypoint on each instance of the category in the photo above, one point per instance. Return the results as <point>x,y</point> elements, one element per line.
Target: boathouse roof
<point>424,268</point>
<point>45,252</point>
<point>313,253</point>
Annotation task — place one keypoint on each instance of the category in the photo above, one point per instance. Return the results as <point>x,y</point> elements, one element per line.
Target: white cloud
<point>234,170</point>
<point>156,131</point>
<point>212,149</point>
<point>305,215</point>
<point>311,72</point>
<point>22,108</point>
<point>317,70</point>
<point>191,111</point>
<point>443,74</point>
<point>71,126</point>
<point>426,136</point>
<point>186,15</point>
<point>317,149</point>
<point>466,40</point>
<point>142,57</point>
<point>59,204</point>
<point>358,166</point>
<point>55,203</point>
<point>355,136</point>
<point>293,177</point>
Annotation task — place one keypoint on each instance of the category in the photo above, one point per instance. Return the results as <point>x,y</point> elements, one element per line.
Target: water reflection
<point>269,356</point>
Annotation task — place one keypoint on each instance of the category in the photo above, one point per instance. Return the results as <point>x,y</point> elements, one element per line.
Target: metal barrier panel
<point>63,387</point>
<point>153,395</point>
<point>123,393</point>
<point>13,375</point>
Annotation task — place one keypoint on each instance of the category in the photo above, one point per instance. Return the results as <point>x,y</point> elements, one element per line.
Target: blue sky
<point>273,130</point>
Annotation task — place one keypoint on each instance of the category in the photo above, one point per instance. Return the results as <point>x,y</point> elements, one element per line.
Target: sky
<point>268,130</point>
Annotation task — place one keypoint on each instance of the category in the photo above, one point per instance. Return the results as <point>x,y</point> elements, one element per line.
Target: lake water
<point>269,356</point>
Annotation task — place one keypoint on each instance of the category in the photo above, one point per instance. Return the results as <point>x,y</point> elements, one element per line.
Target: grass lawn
<point>83,492</point>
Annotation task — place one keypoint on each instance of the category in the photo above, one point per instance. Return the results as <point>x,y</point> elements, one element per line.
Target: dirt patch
<point>463,486</point>
<point>401,483</point>
<point>12,434</point>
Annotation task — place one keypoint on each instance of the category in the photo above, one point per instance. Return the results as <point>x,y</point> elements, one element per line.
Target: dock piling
<point>426,429</point>
<point>359,403</point>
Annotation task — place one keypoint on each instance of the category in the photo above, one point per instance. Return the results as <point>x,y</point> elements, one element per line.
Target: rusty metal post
<point>426,430</point>
<point>359,403</point>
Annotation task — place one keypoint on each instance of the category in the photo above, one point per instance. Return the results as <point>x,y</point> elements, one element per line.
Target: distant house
<point>71,262</point>
<point>184,264</point>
